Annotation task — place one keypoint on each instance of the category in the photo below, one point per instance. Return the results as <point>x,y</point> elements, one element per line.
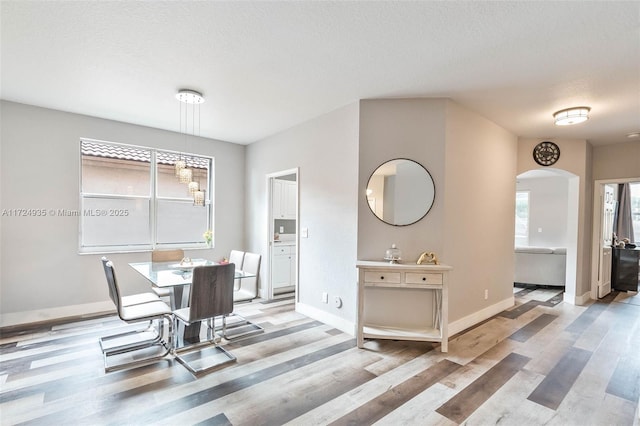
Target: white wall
<point>547,210</point>
<point>42,272</point>
<point>325,149</point>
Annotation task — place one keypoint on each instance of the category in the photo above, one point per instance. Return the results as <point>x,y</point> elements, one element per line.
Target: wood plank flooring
<point>540,362</point>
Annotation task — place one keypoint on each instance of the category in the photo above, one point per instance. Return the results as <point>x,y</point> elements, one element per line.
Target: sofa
<point>540,265</point>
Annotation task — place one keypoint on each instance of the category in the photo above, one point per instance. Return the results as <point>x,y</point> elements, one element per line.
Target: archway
<point>553,224</point>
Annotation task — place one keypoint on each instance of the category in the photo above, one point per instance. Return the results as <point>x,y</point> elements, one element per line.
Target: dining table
<point>176,276</point>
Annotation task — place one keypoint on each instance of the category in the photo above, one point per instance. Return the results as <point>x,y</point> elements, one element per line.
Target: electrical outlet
<point>337,302</point>
<point>486,294</point>
<point>325,297</point>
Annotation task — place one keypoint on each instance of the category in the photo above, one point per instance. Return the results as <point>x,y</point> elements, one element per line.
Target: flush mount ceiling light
<point>633,135</point>
<point>575,115</point>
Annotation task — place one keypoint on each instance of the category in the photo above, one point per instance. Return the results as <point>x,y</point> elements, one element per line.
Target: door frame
<point>268,289</point>
<point>596,226</point>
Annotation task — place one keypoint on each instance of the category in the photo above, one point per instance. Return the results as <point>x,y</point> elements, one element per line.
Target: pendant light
<point>191,100</point>
<point>193,187</point>
<point>199,198</point>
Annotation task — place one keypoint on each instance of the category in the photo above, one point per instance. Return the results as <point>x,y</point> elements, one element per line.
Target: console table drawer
<point>382,277</point>
<point>418,278</point>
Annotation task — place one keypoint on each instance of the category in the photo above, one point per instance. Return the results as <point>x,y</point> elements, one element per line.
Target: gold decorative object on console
<point>428,257</point>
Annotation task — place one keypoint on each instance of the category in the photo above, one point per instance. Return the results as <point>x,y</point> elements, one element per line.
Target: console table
<point>402,302</point>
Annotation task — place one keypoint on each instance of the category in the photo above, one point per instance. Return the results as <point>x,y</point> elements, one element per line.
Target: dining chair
<point>237,258</point>
<point>121,345</point>
<point>238,326</point>
<point>159,255</point>
<point>248,287</point>
<point>211,296</point>
<point>134,299</point>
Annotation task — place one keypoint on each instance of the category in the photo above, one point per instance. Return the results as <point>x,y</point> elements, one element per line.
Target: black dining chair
<point>125,348</point>
<point>211,296</point>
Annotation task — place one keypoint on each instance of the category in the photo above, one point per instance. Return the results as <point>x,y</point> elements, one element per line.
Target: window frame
<point>152,198</point>
<point>528,219</point>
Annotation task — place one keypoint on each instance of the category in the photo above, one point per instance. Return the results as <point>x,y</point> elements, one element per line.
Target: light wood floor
<point>541,362</point>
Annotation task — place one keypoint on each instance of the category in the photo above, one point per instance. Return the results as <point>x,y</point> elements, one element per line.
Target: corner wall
<point>471,224</point>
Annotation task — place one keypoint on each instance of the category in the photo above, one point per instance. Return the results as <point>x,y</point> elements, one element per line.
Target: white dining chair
<point>113,347</point>
<point>247,288</point>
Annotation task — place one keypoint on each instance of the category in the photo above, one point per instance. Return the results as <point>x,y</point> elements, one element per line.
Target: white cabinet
<point>285,193</point>
<point>403,302</point>
<point>283,267</point>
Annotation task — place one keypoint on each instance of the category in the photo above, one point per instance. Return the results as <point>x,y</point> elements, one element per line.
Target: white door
<point>604,263</point>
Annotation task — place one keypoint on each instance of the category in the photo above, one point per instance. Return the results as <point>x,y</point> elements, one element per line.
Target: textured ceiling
<point>267,66</point>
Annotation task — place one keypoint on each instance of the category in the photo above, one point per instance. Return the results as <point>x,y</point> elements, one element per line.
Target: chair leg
<point>159,342</point>
<point>251,328</point>
<point>131,339</point>
<point>194,357</point>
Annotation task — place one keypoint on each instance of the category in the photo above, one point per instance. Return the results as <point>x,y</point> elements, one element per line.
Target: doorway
<point>602,231</point>
<point>283,190</point>
<point>546,233</point>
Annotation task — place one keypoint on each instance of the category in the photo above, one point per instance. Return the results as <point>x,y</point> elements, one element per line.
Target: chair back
<point>167,255</point>
<point>114,291</point>
<point>251,264</point>
<point>236,257</point>
<point>211,291</point>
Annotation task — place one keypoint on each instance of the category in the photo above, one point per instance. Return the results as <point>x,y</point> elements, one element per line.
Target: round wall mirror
<point>400,192</point>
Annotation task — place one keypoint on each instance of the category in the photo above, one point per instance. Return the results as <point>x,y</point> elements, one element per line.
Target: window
<point>131,199</point>
<point>522,218</point>
<point>635,210</point>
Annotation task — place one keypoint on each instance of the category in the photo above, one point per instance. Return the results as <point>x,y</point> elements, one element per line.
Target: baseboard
<point>577,300</point>
<point>15,319</point>
<point>341,324</point>
<point>479,316</point>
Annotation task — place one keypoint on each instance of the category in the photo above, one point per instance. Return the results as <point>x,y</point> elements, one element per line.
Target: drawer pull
<point>424,278</point>
<point>382,277</point>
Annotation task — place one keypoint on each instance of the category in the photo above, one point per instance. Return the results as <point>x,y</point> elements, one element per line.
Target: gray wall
<point>325,149</point>
<point>618,161</point>
<point>336,154</point>
<point>41,267</point>
<point>479,219</point>
<point>401,128</point>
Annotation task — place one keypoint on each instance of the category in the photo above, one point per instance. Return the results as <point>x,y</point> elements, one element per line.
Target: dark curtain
<point>623,225</point>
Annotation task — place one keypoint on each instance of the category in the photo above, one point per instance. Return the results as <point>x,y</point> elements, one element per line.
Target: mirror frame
<point>427,209</point>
